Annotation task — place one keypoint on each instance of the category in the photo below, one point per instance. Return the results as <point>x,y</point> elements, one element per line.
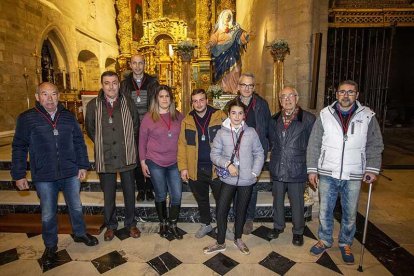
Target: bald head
<point>137,64</point>
<point>47,95</point>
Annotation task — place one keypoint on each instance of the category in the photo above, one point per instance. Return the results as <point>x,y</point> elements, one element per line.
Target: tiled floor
<point>390,242</point>
<point>152,255</point>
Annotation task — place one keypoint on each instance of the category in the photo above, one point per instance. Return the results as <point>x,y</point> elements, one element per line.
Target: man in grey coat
<point>344,148</point>
<point>289,132</point>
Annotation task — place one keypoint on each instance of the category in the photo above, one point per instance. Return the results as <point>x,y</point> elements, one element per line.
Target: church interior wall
<point>70,26</point>
<point>295,22</point>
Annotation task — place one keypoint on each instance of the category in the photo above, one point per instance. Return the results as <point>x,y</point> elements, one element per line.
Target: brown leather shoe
<point>109,235</point>
<point>134,232</point>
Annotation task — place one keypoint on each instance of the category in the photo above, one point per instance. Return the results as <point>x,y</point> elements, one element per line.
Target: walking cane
<point>367,178</point>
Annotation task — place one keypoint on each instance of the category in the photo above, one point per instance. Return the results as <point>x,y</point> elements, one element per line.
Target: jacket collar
<point>359,108</point>
<point>298,117</point>
<point>226,125</point>
<point>38,106</point>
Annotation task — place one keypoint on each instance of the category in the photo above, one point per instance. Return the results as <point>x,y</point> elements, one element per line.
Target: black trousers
<point>142,182</point>
<point>200,189</point>
<point>227,193</point>
<point>295,192</point>
<point>108,186</point>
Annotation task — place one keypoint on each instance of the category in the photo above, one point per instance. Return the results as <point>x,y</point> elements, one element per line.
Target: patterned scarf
<point>129,140</point>
<point>288,118</point>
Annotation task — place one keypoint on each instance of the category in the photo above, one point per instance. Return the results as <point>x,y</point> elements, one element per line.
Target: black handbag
<point>224,172</point>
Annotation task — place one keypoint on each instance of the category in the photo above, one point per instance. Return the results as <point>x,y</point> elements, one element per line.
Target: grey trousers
<point>295,192</point>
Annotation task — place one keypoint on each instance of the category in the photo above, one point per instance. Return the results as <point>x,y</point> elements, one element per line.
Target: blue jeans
<point>348,190</point>
<point>48,194</point>
<point>165,179</point>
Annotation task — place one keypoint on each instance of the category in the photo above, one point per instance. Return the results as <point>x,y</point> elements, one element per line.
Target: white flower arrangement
<point>215,91</point>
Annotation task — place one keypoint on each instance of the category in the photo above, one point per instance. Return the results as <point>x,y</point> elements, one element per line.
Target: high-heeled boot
<point>173,218</point>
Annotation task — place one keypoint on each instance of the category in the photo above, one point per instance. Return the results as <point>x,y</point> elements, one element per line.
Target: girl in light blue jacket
<point>243,170</point>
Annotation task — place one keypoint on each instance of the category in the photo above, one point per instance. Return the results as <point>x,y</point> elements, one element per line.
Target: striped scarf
<point>129,140</point>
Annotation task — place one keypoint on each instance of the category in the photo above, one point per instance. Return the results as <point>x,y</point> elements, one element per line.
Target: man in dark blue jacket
<point>58,160</point>
<point>257,116</point>
<point>289,132</point>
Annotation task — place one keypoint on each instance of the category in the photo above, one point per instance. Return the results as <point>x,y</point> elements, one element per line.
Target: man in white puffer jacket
<point>344,148</point>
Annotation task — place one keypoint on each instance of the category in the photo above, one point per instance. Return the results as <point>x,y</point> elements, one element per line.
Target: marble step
<point>93,202</point>
<point>91,183</point>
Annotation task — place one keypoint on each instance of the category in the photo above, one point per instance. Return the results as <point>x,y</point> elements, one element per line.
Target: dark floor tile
<point>326,261</point>
<point>164,263</point>
<point>221,264</point>
<point>277,263</point>
<point>170,237</point>
<point>122,233</point>
<point>31,235</point>
<point>62,258</point>
<point>262,232</point>
<point>108,261</point>
<point>308,233</point>
<point>390,254</point>
<point>8,256</point>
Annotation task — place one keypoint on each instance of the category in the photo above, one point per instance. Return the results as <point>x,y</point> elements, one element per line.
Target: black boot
<point>49,256</point>
<point>162,216</point>
<point>174,212</point>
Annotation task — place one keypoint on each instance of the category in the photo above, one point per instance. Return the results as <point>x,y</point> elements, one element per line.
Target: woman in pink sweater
<point>158,137</point>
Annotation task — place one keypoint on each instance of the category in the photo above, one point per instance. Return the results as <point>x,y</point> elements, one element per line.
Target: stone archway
<point>89,73</point>
<point>110,64</point>
<point>54,61</point>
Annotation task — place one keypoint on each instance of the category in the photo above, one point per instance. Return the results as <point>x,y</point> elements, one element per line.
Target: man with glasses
<point>198,130</point>
<point>289,132</point>
<point>344,148</point>
<point>257,116</point>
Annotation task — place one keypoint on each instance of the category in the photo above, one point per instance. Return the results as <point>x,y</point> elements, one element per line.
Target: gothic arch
<point>54,61</point>
<point>89,72</point>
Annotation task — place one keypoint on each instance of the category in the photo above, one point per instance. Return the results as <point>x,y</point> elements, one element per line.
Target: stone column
<point>186,79</point>
<point>278,49</point>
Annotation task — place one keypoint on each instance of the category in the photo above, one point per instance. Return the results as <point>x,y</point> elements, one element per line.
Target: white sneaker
<point>242,246</point>
<point>214,248</point>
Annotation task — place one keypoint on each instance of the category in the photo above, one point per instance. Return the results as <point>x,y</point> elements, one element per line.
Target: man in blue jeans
<point>58,160</point>
<point>344,148</point>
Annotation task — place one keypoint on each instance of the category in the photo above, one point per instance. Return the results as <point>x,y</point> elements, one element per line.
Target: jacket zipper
<point>345,137</point>
<point>323,158</point>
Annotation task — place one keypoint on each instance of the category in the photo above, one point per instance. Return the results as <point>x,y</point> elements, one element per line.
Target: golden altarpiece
<point>154,28</point>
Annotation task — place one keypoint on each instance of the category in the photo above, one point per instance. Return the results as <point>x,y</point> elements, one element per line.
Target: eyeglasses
<point>248,86</point>
<point>290,96</point>
<point>348,92</point>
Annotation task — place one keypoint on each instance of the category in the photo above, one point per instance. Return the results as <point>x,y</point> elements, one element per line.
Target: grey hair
<point>291,88</point>
<point>44,83</point>
<point>249,75</point>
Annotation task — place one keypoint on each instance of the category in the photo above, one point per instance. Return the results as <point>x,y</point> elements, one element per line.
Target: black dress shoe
<point>87,239</point>
<point>274,233</point>
<point>149,195</point>
<point>49,256</point>
<point>297,240</point>
<point>141,195</point>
